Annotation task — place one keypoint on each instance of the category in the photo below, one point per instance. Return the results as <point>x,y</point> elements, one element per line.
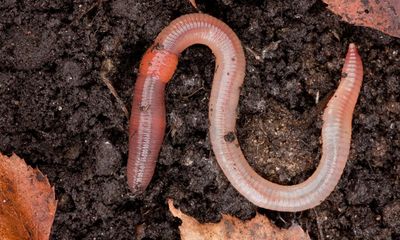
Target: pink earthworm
<point>148,120</point>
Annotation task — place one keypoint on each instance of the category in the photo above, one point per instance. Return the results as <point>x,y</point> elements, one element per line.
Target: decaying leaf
<point>232,228</point>
<point>27,201</point>
<point>383,15</point>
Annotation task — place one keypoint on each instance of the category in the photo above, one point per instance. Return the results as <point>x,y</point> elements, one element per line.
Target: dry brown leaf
<point>383,15</point>
<point>233,228</point>
<point>27,201</point>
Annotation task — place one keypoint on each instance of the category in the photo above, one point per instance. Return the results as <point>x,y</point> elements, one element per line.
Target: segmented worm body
<point>147,123</point>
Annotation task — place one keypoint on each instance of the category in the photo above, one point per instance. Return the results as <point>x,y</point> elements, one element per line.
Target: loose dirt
<point>57,113</point>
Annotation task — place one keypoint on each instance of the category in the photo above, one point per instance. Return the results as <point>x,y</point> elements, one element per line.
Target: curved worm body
<point>147,124</point>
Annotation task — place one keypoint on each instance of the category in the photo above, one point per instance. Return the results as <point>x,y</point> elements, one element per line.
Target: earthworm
<point>148,120</point>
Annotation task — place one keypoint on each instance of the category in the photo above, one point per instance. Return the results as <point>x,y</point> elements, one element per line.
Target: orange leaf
<point>233,228</point>
<point>383,15</point>
<point>27,201</point>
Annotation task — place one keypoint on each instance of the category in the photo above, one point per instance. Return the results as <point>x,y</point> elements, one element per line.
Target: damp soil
<point>58,114</point>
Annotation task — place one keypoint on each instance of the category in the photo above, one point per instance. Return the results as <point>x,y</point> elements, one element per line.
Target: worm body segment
<point>147,124</point>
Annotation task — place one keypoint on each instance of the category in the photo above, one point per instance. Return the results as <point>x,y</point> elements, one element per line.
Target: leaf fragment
<point>383,15</point>
<point>233,228</point>
<point>27,201</point>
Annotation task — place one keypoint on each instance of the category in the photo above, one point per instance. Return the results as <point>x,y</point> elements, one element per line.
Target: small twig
<point>193,2</point>
<point>283,220</point>
<point>319,227</point>
<point>310,116</point>
<point>252,52</point>
<point>107,67</point>
<point>193,93</point>
<point>95,4</point>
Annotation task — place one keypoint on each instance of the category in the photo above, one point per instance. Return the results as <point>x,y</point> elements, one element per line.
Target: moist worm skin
<point>147,124</point>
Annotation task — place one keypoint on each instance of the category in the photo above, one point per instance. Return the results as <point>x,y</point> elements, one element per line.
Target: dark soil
<point>57,113</point>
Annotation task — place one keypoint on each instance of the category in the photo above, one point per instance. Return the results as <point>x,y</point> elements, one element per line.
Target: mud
<point>59,115</point>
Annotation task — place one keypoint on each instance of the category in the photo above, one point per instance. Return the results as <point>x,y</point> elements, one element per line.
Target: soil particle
<point>73,73</point>
<point>108,158</point>
<point>366,191</point>
<point>65,203</point>
<point>391,215</point>
<point>58,115</point>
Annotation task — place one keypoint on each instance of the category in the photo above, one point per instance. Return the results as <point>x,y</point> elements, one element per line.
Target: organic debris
<point>27,201</point>
<point>233,228</point>
<point>193,2</point>
<point>383,15</point>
